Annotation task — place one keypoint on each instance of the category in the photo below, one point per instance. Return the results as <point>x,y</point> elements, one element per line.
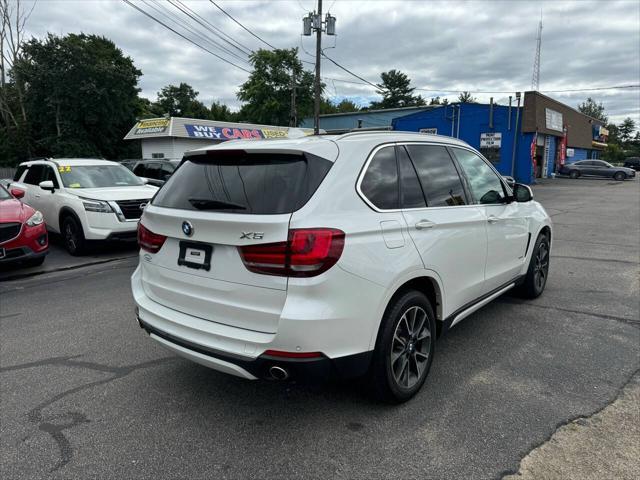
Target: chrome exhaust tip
<point>278,373</point>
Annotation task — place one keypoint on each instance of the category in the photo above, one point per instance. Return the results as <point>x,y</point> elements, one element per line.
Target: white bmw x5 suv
<point>332,255</point>
<point>84,199</point>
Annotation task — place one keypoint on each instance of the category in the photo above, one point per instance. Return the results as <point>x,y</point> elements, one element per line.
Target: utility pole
<point>293,117</point>
<point>314,22</point>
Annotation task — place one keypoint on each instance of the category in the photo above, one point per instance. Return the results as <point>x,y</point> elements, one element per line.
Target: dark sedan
<point>596,168</point>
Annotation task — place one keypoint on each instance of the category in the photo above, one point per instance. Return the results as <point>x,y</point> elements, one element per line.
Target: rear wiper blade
<point>209,204</point>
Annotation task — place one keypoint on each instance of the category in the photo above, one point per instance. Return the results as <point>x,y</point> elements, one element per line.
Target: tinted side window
<point>485,185</point>
<point>438,175</point>
<point>410,189</point>
<point>34,175</point>
<point>380,182</point>
<point>49,174</point>
<point>19,173</point>
<point>152,171</point>
<point>139,170</point>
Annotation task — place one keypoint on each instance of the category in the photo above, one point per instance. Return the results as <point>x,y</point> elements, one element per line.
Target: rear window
<point>239,182</point>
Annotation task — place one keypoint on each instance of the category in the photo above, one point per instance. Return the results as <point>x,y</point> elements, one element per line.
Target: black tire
<point>73,236</point>
<point>538,272</point>
<point>413,355</point>
<point>34,262</point>
<point>574,174</point>
<point>620,176</point>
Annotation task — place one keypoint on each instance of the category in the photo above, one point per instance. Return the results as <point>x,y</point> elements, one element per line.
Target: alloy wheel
<point>411,347</point>
<point>541,266</point>
<point>70,237</point>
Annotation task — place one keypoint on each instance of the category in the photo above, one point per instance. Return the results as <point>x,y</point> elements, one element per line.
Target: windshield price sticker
<point>66,169</point>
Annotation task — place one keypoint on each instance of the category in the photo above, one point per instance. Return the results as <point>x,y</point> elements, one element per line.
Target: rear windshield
<point>238,182</point>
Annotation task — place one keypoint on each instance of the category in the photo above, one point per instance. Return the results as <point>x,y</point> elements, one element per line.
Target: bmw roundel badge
<point>187,228</point>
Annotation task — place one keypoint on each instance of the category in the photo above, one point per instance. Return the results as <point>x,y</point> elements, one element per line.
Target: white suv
<point>344,255</point>
<point>84,199</point>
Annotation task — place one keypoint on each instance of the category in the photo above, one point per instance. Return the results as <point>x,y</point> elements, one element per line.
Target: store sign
<point>156,125</point>
<point>228,133</point>
<point>490,140</point>
<point>570,152</point>
<point>562,155</point>
<point>553,120</point>
<point>429,131</point>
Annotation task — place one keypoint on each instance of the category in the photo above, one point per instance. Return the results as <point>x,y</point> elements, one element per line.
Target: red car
<point>23,234</point>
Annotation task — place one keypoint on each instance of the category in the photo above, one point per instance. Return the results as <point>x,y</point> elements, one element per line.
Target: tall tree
<point>593,109</point>
<point>396,91</point>
<point>466,97</point>
<point>181,101</point>
<point>14,134</point>
<point>344,106</point>
<point>219,111</point>
<point>267,92</point>
<point>81,95</point>
<point>626,129</point>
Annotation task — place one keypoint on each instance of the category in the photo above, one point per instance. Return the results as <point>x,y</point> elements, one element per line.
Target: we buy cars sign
<point>229,133</point>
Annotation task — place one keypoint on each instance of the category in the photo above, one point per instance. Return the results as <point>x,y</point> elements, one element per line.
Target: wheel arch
<point>68,212</point>
<point>425,282</point>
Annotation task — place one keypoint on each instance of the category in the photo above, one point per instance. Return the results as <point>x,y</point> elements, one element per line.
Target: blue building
<point>546,133</point>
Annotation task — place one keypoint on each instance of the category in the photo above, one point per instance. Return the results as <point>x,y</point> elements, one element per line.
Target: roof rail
<point>361,131</point>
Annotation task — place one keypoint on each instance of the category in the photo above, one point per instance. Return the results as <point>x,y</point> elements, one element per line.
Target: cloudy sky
<point>482,46</point>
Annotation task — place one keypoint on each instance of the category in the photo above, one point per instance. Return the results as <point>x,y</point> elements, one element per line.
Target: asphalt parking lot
<point>85,394</point>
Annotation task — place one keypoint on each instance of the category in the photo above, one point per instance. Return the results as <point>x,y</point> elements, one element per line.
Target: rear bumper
<point>341,339</point>
<point>300,369</point>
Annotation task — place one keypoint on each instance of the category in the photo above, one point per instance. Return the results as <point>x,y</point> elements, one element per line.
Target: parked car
<point>632,162</point>
<point>156,172</point>
<point>84,199</point>
<point>342,254</point>
<point>23,235</point>
<point>596,168</point>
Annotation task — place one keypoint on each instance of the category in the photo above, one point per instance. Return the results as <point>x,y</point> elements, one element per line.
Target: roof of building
<point>364,118</point>
<point>182,127</point>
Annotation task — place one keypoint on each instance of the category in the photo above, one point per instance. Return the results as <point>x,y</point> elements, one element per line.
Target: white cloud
<point>473,45</point>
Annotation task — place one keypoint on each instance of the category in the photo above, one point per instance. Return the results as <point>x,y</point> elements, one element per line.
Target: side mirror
<point>47,185</point>
<point>510,181</point>
<point>522,193</point>
<point>17,193</point>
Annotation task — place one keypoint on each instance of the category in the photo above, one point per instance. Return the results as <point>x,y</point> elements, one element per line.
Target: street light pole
<point>316,104</point>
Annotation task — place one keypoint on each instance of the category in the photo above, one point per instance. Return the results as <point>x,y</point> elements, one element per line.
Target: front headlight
<point>35,219</point>
<point>96,206</point>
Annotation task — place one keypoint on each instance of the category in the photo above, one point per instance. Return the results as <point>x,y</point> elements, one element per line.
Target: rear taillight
<point>149,241</point>
<point>307,253</point>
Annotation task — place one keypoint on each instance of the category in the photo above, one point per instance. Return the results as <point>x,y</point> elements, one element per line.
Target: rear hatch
<point>214,203</point>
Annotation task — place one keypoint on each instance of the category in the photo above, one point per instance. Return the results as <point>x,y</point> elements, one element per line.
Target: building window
<point>157,155</point>
<point>491,154</point>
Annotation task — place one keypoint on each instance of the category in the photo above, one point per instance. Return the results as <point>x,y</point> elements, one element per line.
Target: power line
<point>190,28</point>
<point>245,28</point>
<point>183,36</point>
<point>218,32</point>
<point>349,71</point>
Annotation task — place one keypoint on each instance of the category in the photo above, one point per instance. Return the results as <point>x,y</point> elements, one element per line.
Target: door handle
<point>424,224</point>
<point>492,219</point>
<point>37,196</point>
